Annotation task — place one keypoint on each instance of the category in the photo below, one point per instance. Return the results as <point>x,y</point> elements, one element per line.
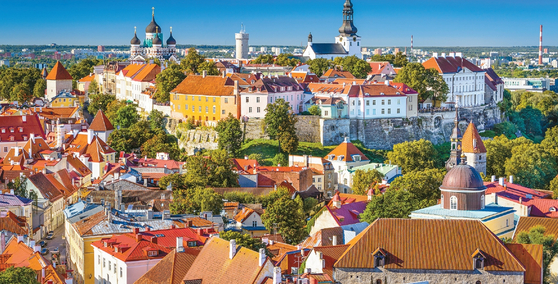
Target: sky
<point>282,23</point>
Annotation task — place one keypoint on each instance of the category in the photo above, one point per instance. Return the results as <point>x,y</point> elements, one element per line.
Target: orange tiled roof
<point>324,237</point>
<point>87,78</point>
<point>347,150</point>
<point>58,72</point>
<point>279,249</point>
<point>208,86</point>
<point>132,70</point>
<point>147,73</point>
<point>450,64</point>
<point>337,73</point>
<point>213,264</point>
<point>36,145</point>
<point>347,198</point>
<point>526,223</point>
<point>55,112</point>
<point>531,256</point>
<point>331,254</point>
<point>101,122</point>
<point>469,136</point>
<point>428,244</point>
<point>243,215</point>
<point>171,269</point>
<point>12,223</point>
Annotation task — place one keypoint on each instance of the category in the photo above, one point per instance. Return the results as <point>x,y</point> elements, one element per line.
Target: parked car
<point>55,251</point>
<point>44,251</point>
<point>50,235</point>
<point>42,244</point>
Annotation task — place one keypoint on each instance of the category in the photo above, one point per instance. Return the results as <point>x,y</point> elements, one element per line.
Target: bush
<point>280,159</point>
<point>315,110</point>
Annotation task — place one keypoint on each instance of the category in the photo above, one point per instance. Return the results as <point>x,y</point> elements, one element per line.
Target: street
<point>57,242</point>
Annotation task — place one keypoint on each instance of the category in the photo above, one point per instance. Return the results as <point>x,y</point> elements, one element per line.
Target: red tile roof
<point>245,164</point>
<point>101,122</point>
<point>45,186</point>
<point>324,237</point>
<point>346,198</point>
<point>526,223</point>
<point>514,191</point>
<point>469,136</point>
<point>428,244</point>
<point>450,64</point>
<point>330,254</point>
<point>403,88</point>
<point>377,90</point>
<point>337,73</point>
<point>543,208</point>
<point>87,78</point>
<point>58,72</point>
<point>10,222</point>
<point>244,214</point>
<point>169,164</point>
<point>14,128</point>
<point>148,73</point>
<point>378,67</point>
<point>347,150</point>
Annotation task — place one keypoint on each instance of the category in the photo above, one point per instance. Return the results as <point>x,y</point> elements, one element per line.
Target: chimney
<point>232,248</point>
<point>31,243</point>
<point>204,73</point>
<point>90,135</point>
<point>501,181</point>
<point>435,54</point>
<point>189,223</point>
<point>136,231</point>
<point>493,179</point>
<point>154,240</point>
<point>19,239</point>
<point>276,275</point>
<point>179,244</point>
<point>511,179</point>
<point>262,257</point>
<point>16,149</point>
<point>2,242</point>
<point>236,88</point>
<point>334,241</point>
<point>24,118</point>
<point>520,200</point>
<point>43,274</point>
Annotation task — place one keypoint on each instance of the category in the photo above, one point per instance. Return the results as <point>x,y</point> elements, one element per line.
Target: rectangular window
<point>254,223</point>
<point>373,102</point>
<point>199,109</point>
<point>223,112</point>
<point>214,109</point>
<point>258,110</point>
<point>206,109</point>
<point>178,107</point>
<point>257,99</point>
<point>383,111</point>
<point>326,113</point>
<point>247,99</point>
<point>389,102</point>
<point>389,110</point>
<point>120,272</point>
<point>226,100</point>
<point>213,99</point>
<point>250,109</point>
<point>373,112</point>
<point>186,107</point>
<point>398,101</point>
<point>206,99</point>
<point>367,102</point>
<point>199,98</point>
<point>185,98</point>
<point>383,102</point>
<point>367,112</point>
<point>398,110</point>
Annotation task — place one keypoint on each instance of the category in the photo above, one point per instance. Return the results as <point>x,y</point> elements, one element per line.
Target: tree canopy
<point>536,235</point>
<point>196,200</point>
<point>18,84</point>
<point>532,166</point>
<point>421,184</point>
<point>428,83</point>
<point>214,170</point>
<point>280,123</point>
<point>413,155</point>
<point>192,61</point>
<point>363,180</point>
<point>393,203</point>
<point>24,275</point>
<point>230,135</point>
<point>287,215</point>
<point>99,102</point>
<point>167,80</point>
<point>319,66</point>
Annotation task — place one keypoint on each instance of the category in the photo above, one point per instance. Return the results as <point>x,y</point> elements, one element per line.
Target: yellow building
<point>64,99</point>
<point>207,99</point>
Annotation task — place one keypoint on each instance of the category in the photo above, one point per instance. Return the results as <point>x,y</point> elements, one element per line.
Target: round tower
<point>463,188</point>
<point>241,44</point>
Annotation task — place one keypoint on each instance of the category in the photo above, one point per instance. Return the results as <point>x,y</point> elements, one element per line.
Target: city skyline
<point>433,23</point>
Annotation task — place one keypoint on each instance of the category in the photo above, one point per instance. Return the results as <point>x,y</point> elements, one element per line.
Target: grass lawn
<point>269,148</point>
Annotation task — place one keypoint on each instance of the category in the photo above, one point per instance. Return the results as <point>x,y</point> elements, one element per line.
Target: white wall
<point>54,87</point>
<point>378,107</point>
<point>468,85</point>
<point>255,101</point>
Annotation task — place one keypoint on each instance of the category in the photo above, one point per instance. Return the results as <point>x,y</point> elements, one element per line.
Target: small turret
<point>135,40</point>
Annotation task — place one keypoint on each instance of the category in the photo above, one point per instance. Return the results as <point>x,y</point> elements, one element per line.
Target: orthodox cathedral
<point>346,44</point>
<point>152,46</point>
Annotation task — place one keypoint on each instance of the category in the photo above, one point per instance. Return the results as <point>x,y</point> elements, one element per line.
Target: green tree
<point>230,135</point>
<point>392,204</point>
<point>243,240</point>
<point>554,187</point>
<point>531,165</point>
<point>536,235</point>
<point>264,59</point>
<point>400,60</point>
<point>362,180</point>
<point>176,181</point>
<point>288,216</point>
<point>436,87</point>
<point>214,171</point>
<point>208,66</point>
<point>356,66</point>
<point>280,123</point>
<point>421,184</point>
<point>286,59</point>
<point>125,116</point>
<point>428,83</point>
<point>40,88</point>
<point>156,120</point>
<point>24,275</point>
<point>99,102</point>
<point>161,142</point>
<point>273,196</point>
<point>192,61</point>
<point>319,66</point>
<point>550,142</point>
<point>93,87</point>
<point>315,110</point>
<point>498,151</point>
<point>196,200</point>
<point>167,80</point>
<point>280,159</point>
<point>18,84</point>
<point>413,155</point>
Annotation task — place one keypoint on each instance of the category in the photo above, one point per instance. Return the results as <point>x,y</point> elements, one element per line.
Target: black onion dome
<point>171,39</point>
<point>157,40</point>
<point>153,27</point>
<point>135,40</point>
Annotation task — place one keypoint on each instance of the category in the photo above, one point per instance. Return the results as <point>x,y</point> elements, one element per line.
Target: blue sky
<point>286,22</point>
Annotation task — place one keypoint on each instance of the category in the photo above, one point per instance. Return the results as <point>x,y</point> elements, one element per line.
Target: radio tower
<point>540,48</point>
<point>411,44</point>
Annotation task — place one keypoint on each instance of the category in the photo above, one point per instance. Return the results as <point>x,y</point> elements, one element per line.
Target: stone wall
<point>307,129</point>
<point>384,133</point>
<point>196,140</point>
<point>354,276</point>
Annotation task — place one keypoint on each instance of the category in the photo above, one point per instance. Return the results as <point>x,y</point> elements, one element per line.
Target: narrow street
<point>57,242</point>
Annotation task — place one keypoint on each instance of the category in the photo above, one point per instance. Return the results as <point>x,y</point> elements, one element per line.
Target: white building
<point>132,81</point>
<point>152,46</point>
<point>268,90</point>
<point>527,84</point>
<point>242,43</point>
<point>58,80</point>
<point>345,157</point>
<point>377,101</point>
<point>346,44</point>
<point>464,79</point>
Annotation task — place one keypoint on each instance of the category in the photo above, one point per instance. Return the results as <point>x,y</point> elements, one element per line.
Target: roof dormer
<point>478,260</point>
<point>380,257</point>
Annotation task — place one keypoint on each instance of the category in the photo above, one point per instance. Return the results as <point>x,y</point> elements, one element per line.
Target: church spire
<point>455,139</point>
<point>348,28</point>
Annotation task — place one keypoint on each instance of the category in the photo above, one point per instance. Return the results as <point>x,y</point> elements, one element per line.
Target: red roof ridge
<point>101,122</point>
<point>58,72</point>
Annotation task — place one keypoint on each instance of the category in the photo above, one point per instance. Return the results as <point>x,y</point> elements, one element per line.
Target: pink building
<point>255,98</point>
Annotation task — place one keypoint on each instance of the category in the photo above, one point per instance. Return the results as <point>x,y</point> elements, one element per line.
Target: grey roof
<point>489,211</point>
<point>124,224</point>
<point>13,200</point>
<point>81,210</point>
<point>328,48</point>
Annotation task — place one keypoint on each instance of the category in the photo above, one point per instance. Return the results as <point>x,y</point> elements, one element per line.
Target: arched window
<point>482,202</point>
<point>442,200</point>
<point>453,203</point>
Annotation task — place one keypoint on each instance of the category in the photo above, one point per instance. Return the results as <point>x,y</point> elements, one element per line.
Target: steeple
<point>135,40</point>
<point>171,40</point>
<point>455,139</point>
<point>348,28</point>
<point>152,27</point>
<point>310,37</point>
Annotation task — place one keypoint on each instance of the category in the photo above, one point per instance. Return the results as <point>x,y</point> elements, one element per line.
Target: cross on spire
<point>153,11</point>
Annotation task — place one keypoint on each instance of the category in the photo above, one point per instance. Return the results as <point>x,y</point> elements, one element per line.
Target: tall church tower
<point>473,149</point>
<point>456,138</point>
<point>241,43</point>
<point>348,32</point>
